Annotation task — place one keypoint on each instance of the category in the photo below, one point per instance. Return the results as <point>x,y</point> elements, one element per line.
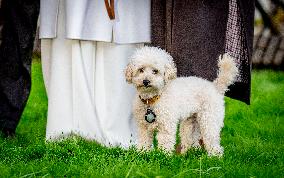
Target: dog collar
<point>150,101</point>
<point>150,115</point>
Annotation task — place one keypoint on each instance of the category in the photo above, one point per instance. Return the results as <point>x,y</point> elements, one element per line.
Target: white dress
<point>87,91</point>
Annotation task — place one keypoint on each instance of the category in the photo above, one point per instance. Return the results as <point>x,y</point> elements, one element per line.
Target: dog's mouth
<point>143,86</point>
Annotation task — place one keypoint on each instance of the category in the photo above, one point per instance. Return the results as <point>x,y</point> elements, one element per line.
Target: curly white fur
<point>196,103</point>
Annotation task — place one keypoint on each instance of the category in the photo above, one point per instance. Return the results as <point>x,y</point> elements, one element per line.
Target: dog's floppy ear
<point>129,72</point>
<point>170,71</point>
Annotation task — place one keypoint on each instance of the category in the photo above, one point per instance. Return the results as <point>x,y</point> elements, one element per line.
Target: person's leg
<point>85,119</point>
<point>113,95</point>
<point>46,57</point>
<point>19,27</point>
<point>68,69</point>
<point>57,72</point>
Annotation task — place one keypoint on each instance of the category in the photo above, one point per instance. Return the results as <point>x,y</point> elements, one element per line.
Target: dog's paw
<point>168,150</point>
<point>183,149</point>
<point>216,151</point>
<point>142,147</point>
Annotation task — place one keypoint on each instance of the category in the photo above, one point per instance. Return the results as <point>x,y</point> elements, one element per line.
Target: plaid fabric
<point>235,40</point>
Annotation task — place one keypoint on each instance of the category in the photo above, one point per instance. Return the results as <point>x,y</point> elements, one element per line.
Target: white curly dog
<point>163,100</point>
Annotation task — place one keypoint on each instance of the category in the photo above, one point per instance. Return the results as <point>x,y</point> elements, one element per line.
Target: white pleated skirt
<point>87,92</point>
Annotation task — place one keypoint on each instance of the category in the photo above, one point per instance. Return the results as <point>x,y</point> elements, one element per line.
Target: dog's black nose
<point>146,82</point>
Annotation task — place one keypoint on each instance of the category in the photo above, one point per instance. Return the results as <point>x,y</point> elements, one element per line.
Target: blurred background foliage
<point>269,34</point>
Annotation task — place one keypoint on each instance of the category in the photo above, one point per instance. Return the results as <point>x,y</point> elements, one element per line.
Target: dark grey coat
<point>19,27</point>
<point>196,32</point>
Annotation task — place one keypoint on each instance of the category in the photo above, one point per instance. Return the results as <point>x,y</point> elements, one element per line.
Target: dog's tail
<point>227,73</point>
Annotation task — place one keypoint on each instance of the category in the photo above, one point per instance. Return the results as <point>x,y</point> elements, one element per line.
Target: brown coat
<point>196,32</point>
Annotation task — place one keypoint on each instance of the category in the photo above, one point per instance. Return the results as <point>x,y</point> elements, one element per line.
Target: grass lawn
<point>252,138</point>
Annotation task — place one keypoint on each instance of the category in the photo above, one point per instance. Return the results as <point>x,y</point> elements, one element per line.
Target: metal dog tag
<point>150,116</point>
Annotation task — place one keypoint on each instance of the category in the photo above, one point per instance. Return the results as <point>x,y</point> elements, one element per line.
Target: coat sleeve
<point>48,18</point>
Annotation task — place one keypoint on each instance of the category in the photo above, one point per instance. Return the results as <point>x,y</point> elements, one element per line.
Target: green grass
<point>252,138</point>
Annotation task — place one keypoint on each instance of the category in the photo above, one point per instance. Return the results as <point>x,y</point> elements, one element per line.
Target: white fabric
<point>88,20</point>
<point>87,91</point>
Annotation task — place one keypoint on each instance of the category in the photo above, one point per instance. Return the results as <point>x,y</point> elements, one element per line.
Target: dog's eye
<point>155,71</point>
<point>141,70</point>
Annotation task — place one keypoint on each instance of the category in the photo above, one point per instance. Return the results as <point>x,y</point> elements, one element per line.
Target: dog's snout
<point>146,82</point>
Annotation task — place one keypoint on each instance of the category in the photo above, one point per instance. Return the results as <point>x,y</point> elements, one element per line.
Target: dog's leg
<point>211,124</point>
<point>186,138</point>
<point>166,136</point>
<point>189,134</point>
<point>145,138</point>
<point>196,136</point>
